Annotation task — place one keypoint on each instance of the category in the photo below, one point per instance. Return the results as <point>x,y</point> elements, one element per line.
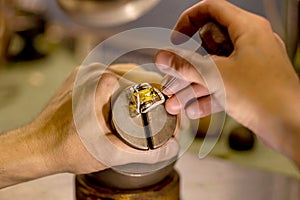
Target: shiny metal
<point>210,178</point>
<point>167,82</point>
<point>106,13</point>
<point>166,189</point>
<point>115,179</point>
<point>143,98</point>
<point>145,131</point>
<point>140,119</point>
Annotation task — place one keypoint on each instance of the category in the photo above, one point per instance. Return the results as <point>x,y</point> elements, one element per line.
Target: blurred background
<point>42,41</point>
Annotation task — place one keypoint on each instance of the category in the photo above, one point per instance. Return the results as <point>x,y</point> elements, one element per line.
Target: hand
<point>50,144</point>
<point>46,146</point>
<point>262,88</point>
<point>58,115</point>
<point>99,141</point>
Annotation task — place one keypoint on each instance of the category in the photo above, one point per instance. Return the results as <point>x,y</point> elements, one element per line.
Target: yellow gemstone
<point>146,95</point>
<point>143,97</point>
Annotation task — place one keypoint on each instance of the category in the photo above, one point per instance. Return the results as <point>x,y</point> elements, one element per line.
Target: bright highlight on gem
<point>143,98</point>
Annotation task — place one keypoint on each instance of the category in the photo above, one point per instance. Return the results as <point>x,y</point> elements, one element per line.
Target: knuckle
<point>110,77</point>
<point>262,21</point>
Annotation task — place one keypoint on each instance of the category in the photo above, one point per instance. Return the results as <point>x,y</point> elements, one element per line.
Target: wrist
<point>42,147</point>
<point>61,149</point>
<point>277,122</point>
<point>21,158</point>
<point>291,120</point>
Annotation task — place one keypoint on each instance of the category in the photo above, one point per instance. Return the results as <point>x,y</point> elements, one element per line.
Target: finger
<point>189,66</point>
<point>173,62</point>
<point>106,87</point>
<point>172,85</point>
<point>195,17</point>
<point>121,69</point>
<point>178,102</point>
<point>199,108</point>
<point>202,107</point>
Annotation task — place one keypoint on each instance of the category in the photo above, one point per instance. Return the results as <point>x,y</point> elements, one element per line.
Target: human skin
<point>261,85</point>
<point>51,144</point>
<point>46,146</point>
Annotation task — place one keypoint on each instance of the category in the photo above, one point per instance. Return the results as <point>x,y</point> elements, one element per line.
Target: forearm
<point>279,124</point>
<point>21,158</point>
<point>292,124</point>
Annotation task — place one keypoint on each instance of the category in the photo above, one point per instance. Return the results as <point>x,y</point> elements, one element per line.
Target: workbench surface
<point>209,178</point>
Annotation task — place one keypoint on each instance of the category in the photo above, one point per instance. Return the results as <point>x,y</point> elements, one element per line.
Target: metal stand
<point>89,188</point>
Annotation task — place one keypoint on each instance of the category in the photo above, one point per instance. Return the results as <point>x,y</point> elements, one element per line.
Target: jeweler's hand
<point>262,88</point>
<point>46,146</point>
<point>51,144</point>
<point>57,122</point>
<point>122,75</point>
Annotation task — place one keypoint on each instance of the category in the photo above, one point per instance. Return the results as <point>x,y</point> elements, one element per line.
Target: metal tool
<point>168,83</point>
<point>215,41</point>
<point>89,187</point>
<point>140,119</point>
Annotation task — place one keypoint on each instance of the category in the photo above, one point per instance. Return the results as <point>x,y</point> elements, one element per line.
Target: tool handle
<point>215,39</point>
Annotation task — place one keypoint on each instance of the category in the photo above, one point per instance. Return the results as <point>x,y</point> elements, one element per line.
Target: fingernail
<point>193,111</point>
<point>164,59</point>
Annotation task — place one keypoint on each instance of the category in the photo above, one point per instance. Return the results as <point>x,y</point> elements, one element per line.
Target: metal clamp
<point>140,119</point>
